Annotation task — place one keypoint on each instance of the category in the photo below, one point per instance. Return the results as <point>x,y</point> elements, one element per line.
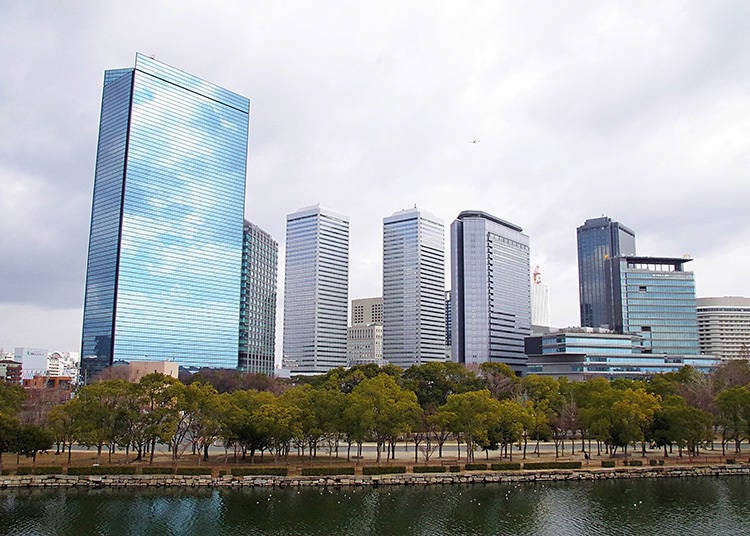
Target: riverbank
<point>408,479</point>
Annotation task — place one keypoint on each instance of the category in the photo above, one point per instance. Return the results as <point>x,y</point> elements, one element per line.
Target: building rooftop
<point>486,216</point>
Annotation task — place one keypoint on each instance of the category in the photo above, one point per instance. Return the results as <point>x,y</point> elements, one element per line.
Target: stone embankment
<point>474,477</point>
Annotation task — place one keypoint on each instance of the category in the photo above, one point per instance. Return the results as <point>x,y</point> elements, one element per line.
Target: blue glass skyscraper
<point>165,246</point>
<point>598,240</point>
<point>654,297</point>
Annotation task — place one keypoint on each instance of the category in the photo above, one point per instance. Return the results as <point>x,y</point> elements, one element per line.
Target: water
<point>701,506</point>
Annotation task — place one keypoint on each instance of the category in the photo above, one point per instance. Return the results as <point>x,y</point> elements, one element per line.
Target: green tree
<point>434,382</point>
<point>385,410</point>
<point>734,411</point>
<point>471,416</point>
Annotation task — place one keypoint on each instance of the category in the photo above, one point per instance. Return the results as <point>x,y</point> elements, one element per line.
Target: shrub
<point>383,469</point>
<point>608,463</point>
<point>39,470</point>
<point>454,468</point>
<point>151,470</point>
<point>327,471</point>
<point>635,463</point>
<point>505,466</point>
<point>731,461</point>
<point>653,462</point>
<point>661,462</point>
<point>476,466</point>
<point>428,469</point>
<point>261,471</point>
<point>193,471</point>
<point>5,472</point>
<point>103,470</point>
<point>552,465</point>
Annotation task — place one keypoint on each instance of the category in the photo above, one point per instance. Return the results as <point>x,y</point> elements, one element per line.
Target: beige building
<point>139,369</point>
<point>364,339</point>
<point>366,311</point>
<point>724,326</point>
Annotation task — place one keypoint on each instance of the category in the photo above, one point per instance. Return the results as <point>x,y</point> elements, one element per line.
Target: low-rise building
<point>724,326</point>
<point>583,353</point>
<point>10,371</point>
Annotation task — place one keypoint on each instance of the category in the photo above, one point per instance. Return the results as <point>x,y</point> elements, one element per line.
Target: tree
<point>385,410</point>
<point>434,382</point>
<point>500,379</point>
<point>471,416</point>
<point>734,411</point>
<point>31,439</point>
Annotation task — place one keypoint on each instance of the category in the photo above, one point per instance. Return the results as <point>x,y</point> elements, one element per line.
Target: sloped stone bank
<point>409,479</point>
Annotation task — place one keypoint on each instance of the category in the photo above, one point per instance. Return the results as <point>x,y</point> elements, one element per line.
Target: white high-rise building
<point>491,295</point>
<point>413,288</point>
<point>539,300</point>
<point>316,290</point>
<point>724,326</point>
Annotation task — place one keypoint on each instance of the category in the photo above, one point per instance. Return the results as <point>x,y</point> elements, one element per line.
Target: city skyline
<point>574,114</point>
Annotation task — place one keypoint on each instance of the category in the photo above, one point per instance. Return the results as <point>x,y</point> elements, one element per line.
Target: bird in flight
<point>475,140</point>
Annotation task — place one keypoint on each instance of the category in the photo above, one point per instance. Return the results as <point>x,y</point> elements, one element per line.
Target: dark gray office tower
<point>258,300</point>
<point>491,295</point>
<point>598,240</point>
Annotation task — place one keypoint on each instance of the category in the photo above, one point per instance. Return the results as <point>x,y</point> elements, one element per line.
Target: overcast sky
<point>639,111</point>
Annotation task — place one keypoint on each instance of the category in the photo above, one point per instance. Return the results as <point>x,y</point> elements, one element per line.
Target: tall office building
<point>165,247</point>
<point>654,297</point>
<point>724,326</point>
<point>598,240</point>
<point>316,290</point>
<point>413,288</point>
<point>258,300</point>
<point>491,295</point>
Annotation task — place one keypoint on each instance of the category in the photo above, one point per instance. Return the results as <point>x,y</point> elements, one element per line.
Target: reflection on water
<point>671,506</point>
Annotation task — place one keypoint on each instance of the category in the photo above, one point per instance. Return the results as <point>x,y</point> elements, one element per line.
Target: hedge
<point>634,463</point>
<point>428,469</point>
<point>193,471</point>
<point>39,470</point>
<point>327,471</point>
<point>506,466</point>
<point>383,469</point>
<point>653,462</point>
<point>476,466</point>
<point>261,471</point>
<point>454,468</point>
<point>552,465</point>
<point>151,470</point>
<point>103,470</point>
<point>609,463</point>
<point>731,461</point>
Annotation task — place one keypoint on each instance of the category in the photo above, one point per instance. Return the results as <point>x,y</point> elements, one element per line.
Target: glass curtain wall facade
<point>598,240</point>
<point>258,301</point>
<point>316,290</point>
<point>413,288</point>
<point>654,297</point>
<point>491,290</point>
<point>165,245</point>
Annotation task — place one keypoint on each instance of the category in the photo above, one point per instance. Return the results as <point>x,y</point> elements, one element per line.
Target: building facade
<point>165,245</point>
<point>491,290</point>
<point>654,297</point>
<point>413,288</point>
<point>586,353</point>
<point>260,254</point>
<point>316,290</point>
<point>33,360</point>
<point>724,326</point>
<point>599,239</point>
<point>364,338</point>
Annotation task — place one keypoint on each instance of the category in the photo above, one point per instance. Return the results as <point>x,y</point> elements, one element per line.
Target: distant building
<point>540,315</point>
<point>33,360</point>
<point>138,369</point>
<point>64,364</point>
<point>366,311</point>
<point>165,243</point>
<point>599,239</point>
<point>584,353</point>
<point>258,301</point>
<point>10,371</point>
<point>413,288</point>
<point>724,326</point>
<point>491,290</point>
<point>654,297</point>
<point>448,326</point>
<point>364,338</point>
<point>316,290</point>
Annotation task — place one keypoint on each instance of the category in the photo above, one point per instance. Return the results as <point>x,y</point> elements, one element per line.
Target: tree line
<point>486,408</point>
